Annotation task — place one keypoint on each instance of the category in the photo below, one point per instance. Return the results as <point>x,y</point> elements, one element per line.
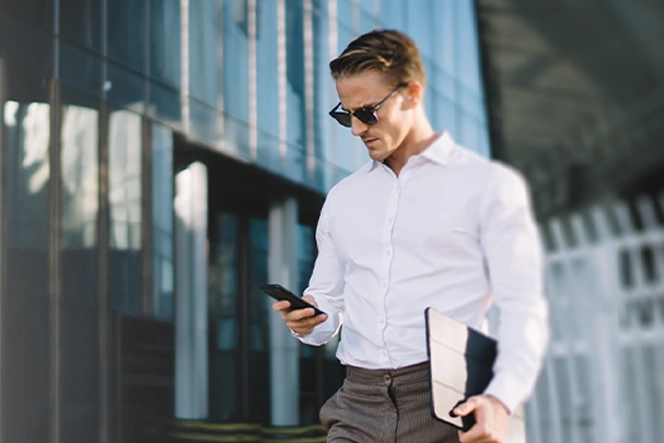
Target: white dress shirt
<point>453,231</point>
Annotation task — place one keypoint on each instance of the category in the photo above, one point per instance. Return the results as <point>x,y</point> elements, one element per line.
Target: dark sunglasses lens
<point>366,116</point>
<point>343,118</point>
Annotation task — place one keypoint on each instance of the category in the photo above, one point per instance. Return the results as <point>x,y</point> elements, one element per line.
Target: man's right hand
<point>300,321</point>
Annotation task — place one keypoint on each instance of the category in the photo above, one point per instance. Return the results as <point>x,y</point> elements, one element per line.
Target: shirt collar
<point>440,151</point>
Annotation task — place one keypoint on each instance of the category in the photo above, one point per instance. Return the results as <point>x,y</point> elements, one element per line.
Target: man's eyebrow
<point>371,105</point>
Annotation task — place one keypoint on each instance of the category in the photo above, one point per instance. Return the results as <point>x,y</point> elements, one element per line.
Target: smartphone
<point>280,293</point>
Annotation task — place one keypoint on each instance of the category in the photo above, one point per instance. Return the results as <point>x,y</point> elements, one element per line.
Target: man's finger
<point>467,407</point>
<point>306,320</point>
<point>301,314</point>
<point>281,306</point>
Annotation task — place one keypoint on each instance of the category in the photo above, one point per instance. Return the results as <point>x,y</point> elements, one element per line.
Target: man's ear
<point>414,94</point>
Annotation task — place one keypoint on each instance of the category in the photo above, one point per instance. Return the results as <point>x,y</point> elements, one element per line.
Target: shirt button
<point>391,219</point>
<point>388,252</point>
<point>382,320</point>
<point>384,285</point>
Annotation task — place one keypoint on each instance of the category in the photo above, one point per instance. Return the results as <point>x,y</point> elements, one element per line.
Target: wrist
<point>498,401</point>
<point>295,334</point>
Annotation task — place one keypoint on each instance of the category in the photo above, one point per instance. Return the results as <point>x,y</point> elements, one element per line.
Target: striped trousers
<point>384,406</point>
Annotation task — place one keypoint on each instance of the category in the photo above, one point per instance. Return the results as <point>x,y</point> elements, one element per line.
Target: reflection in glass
<point>268,86</point>
<point>236,75</point>
<point>79,314</point>
<point>295,86</point>
<point>125,29</point>
<point>258,340</point>
<point>468,69</point>
<point>324,98</point>
<point>125,88</point>
<point>419,28</point>
<point>223,311</point>
<point>124,194</point>
<point>469,131</point>
<point>79,177</point>
<point>346,144</point>
<point>203,49</point>
<point>392,14</point>
<point>165,41</point>
<point>162,222</point>
<point>80,22</point>
<point>203,71</point>
<point>25,306</point>
<point>444,15</point>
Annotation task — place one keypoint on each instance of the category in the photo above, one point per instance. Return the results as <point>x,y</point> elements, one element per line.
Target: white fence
<point>603,378</point>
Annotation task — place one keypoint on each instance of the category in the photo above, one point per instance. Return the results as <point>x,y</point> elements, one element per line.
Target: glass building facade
<point>104,107</point>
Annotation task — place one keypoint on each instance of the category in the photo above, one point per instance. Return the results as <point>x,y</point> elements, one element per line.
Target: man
<point>424,223</point>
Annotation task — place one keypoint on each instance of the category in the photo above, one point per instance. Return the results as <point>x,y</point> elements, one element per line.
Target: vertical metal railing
<point>601,379</point>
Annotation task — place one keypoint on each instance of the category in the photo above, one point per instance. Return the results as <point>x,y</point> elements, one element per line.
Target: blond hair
<point>388,51</point>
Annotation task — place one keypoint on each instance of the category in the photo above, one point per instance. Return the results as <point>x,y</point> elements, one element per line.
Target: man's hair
<point>388,51</point>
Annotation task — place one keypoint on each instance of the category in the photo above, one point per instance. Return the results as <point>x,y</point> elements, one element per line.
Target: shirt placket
<point>386,262</point>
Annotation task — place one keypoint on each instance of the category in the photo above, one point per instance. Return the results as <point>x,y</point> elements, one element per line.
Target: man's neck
<point>416,142</point>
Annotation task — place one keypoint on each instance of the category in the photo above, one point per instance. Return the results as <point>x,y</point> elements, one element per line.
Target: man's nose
<point>358,127</point>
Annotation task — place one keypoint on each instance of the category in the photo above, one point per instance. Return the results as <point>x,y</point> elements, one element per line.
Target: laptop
<point>460,366</point>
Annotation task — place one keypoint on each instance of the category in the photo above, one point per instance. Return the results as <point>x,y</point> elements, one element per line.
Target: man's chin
<point>377,156</point>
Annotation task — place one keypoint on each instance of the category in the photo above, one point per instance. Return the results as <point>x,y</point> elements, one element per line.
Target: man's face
<point>366,90</point>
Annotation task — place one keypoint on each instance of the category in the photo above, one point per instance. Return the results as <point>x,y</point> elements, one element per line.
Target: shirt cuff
<point>507,389</point>
<point>295,334</point>
<point>322,333</point>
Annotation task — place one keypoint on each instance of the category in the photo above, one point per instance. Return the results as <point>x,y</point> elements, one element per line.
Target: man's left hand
<point>491,417</point>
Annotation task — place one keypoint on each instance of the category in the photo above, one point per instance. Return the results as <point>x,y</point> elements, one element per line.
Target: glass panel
<point>165,41</point>
<point>21,38</point>
<point>163,278</point>
<point>203,58</point>
<point>367,6</point>
<point>236,75</point>
<point>35,13</point>
<point>324,100</point>
<point>203,119</point>
<point>446,113</point>
<point>126,35</point>
<point>124,88</point>
<point>470,102</point>
<point>345,13</point>
<point>419,27</point>
<point>80,68</point>
<point>258,328</point>
<point>305,258</point>
<point>295,94</point>
<point>469,135</point>
<point>468,69</point>
<point>267,59</point>
<point>79,161</point>
<point>268,87</point>
<point>345,142</point>
<point>223,313</point>
<point>392,14</point>
<point>165,105</point>
<point>124,194</point>
<point>444,14</point>
<point>26,336</point>
<point>80,22</point>
<point>367,22</point>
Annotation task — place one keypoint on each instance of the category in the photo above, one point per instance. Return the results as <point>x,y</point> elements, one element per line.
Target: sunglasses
<point>366,115</point>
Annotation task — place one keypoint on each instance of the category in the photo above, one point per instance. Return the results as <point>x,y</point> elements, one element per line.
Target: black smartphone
<point>280,293</point>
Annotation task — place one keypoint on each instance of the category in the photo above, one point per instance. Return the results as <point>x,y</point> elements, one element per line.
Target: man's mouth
<point>369,140</point>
